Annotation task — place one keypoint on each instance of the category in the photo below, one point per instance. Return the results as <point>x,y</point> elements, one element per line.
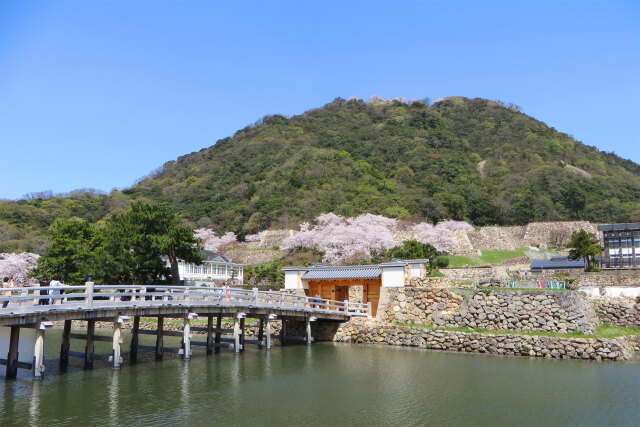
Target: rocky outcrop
<point>618,349</point>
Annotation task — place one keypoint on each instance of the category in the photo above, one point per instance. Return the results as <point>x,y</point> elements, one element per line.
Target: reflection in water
<point>114,391</point>
<point>34,403</point>
<point>331,385</point>
<point>184,386</point>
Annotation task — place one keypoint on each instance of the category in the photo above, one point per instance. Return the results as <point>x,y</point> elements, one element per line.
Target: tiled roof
<point>352,272</point>
<point>556,263</point>
<point>212,256</point>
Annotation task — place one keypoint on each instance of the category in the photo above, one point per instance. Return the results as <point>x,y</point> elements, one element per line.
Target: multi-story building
<point>214,270</point>
<point>621,245</point>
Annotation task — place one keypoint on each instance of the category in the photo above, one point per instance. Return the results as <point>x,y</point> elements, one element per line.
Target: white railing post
<point>346,306</point>
<point>255,294</point>
<point>89,291</point>
<point>369,308</point>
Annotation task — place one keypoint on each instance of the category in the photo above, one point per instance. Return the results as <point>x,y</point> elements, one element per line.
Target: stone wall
<point>618,311</point>
<point>610,278</point>
<point>619,349</point>
<point>418,305</point>
<point>476,274</point>
<point>535,310</point>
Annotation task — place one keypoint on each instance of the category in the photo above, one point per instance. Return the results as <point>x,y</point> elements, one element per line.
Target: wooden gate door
<point>372,293</point>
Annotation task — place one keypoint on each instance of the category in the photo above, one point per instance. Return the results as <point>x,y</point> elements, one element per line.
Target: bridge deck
<point>106,302</point>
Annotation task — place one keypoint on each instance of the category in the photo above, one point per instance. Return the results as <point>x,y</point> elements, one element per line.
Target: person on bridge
<point>44,282</point>
<point>7,283</point>
<point>56,286</point>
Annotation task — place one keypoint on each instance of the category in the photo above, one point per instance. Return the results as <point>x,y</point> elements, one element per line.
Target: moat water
<point>326,384</point>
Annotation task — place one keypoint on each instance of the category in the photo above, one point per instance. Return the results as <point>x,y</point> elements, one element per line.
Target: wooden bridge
<point>119,304</point>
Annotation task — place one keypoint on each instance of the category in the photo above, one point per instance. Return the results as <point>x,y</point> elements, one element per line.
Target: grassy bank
<point>487,257</point>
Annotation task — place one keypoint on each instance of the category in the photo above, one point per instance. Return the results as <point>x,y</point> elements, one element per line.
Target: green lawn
<point>487,257</point>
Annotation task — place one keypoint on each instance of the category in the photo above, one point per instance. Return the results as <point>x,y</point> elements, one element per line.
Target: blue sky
<point>99,93</point>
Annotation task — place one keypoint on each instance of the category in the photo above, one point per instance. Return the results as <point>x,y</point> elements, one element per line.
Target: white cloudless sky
<point>97,94</point>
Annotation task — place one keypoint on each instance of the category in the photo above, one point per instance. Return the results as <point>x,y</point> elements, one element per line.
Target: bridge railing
<point>90,296</point>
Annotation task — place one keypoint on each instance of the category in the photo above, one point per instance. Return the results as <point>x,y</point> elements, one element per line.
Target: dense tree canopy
<point>127,249</point>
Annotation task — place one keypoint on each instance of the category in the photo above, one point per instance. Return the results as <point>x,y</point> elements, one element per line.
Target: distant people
<point>55,288</point>
<point>7,283</point>
<point>317,300</point>
<point>44,283</point>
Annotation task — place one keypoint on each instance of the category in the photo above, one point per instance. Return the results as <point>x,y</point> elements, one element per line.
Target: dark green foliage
<point>72,254</point>
<point>128,249</point>
<point>460,158</point>
<point>585,245</point>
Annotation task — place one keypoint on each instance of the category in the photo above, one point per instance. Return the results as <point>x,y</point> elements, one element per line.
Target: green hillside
<point>399,160</point>
<point>460,158</point>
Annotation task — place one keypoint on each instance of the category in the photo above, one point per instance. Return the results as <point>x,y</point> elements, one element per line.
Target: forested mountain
<point>459,158</point>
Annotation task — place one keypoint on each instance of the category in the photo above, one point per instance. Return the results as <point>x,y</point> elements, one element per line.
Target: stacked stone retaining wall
<point>535,310</point>
<point>619,311</point>
<point>501,344</point>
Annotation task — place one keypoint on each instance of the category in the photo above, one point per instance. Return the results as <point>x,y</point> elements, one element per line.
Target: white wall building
<point>215,268</point>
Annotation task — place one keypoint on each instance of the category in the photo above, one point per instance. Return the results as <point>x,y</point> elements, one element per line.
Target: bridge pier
<point>186,336</point>
<point>210,334</point>
<point>159,337</point>
<point>218,333</point>
<point>133,355</point>
<point>242,335</point>
<point>238,332</point>
<point>283,333</point>
<point>116,351</point>
<point>37,367</point>
<point>12,357</point>
<point>64,347</point>
<point>260,332</point>
<point>88,350</point>
<point>267,327</point>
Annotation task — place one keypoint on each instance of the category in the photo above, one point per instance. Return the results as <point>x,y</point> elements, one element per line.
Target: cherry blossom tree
<point>345,238</point>
<point>214,243</point>
<point>17,266</point>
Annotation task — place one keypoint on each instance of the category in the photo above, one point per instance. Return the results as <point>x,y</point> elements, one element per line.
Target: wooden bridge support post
<point>12,356</point>
<point>64,347</point>
<point>38,351</point>
<point>210,334</point>
<point>283,333</point>
<point>186,335</point>
<point>159,337</point>
<point>218,333</point>
<point>260,332</point>
<point>267,328</point>
<point>237,331</point>
<point>242,334</point>
<point>133,356</point>
<point>88,350</point>
<point>116,347</point>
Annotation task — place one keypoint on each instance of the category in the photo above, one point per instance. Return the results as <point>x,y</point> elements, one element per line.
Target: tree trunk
<point>175,273</point>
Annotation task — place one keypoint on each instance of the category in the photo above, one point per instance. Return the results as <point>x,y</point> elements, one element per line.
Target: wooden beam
<point>88,350</point>
<point>159,337</point>
<point>210,334</point>
<point>12,356</point>
<point>133,356</point>
<point>217,339</point>
<point>242,334</point>
<point>260,332</point>
<point>64,347</point>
